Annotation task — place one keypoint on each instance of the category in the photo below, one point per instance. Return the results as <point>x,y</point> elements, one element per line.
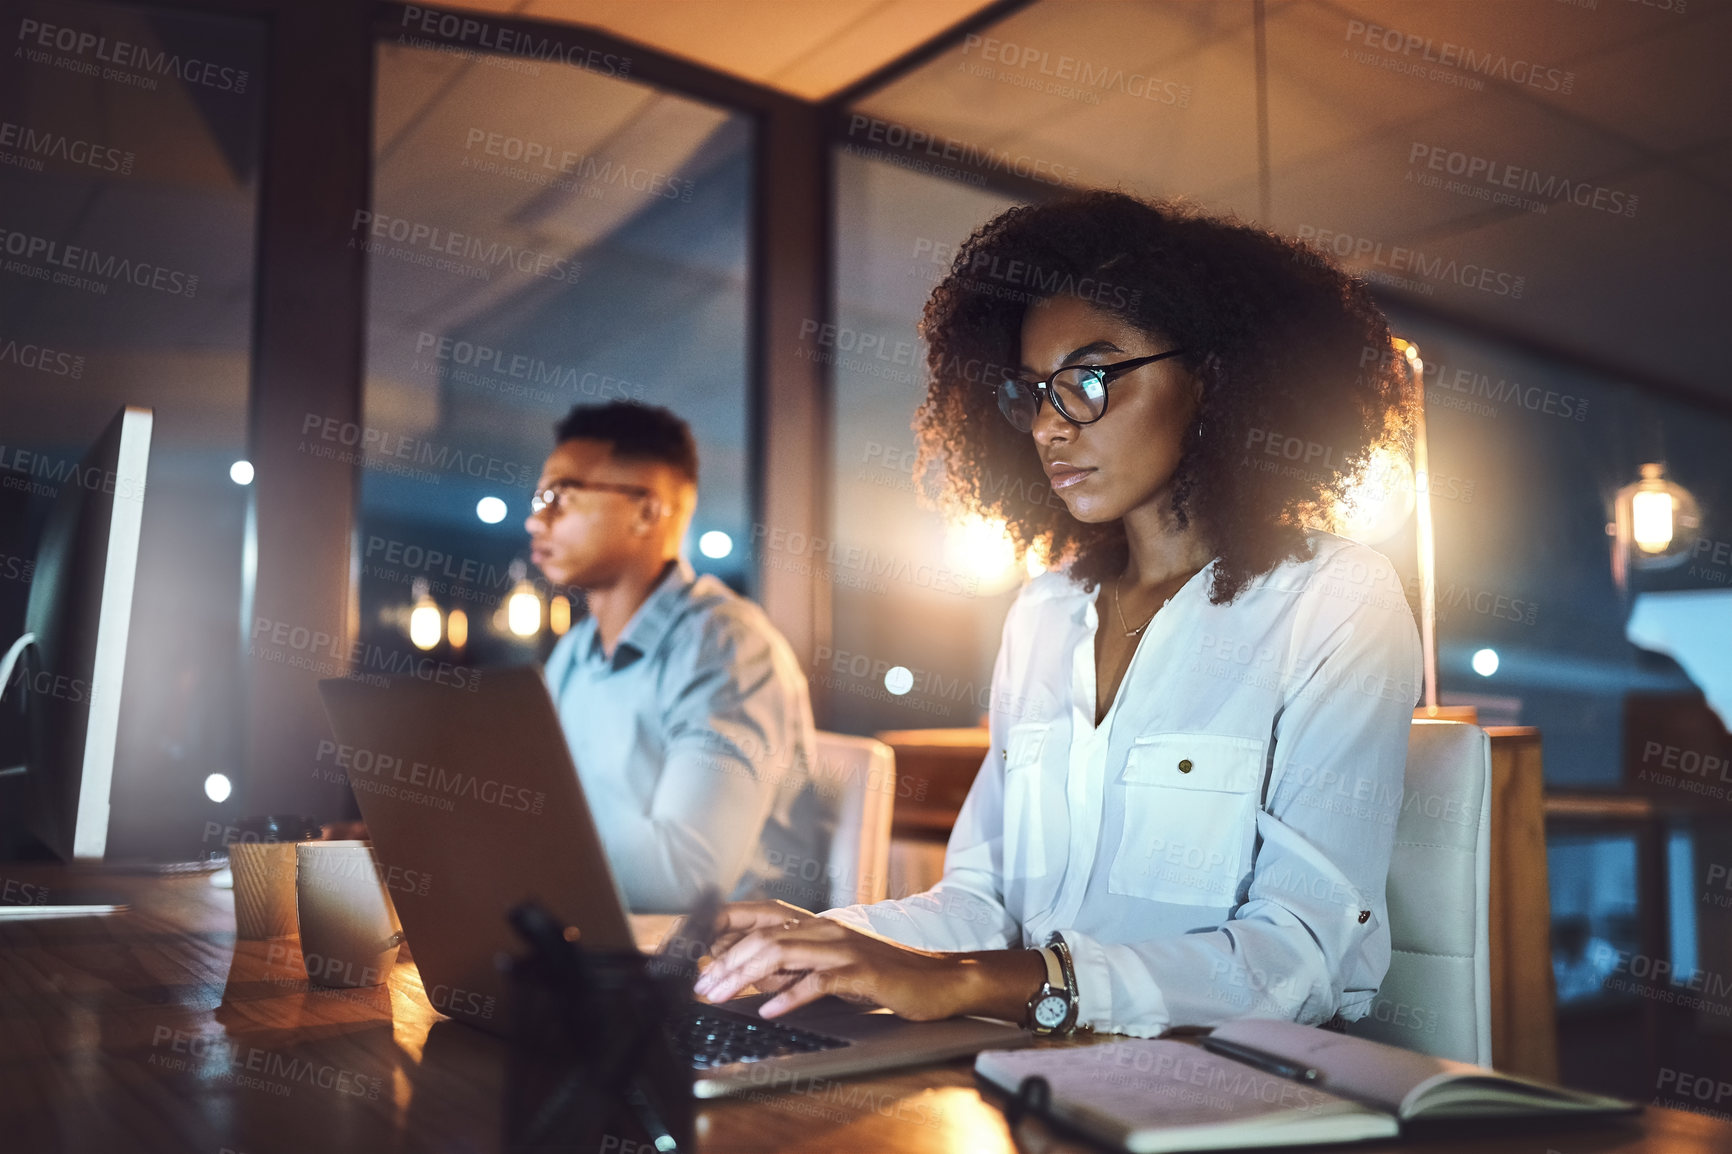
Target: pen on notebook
<point>1258,1059</point>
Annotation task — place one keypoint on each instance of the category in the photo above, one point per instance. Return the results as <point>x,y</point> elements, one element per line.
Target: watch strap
<point>1056,943</point>
<point>1055,976</point>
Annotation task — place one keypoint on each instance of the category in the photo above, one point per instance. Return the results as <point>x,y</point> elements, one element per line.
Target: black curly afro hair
<point>1285,344</point>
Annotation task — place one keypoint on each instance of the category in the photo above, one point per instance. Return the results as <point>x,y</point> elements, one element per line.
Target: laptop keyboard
<point>707,1036</point>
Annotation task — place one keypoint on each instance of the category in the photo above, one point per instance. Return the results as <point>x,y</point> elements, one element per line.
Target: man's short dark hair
<point>636,432</point>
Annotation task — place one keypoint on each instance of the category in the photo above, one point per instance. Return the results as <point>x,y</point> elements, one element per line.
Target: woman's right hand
<point>737,919</point>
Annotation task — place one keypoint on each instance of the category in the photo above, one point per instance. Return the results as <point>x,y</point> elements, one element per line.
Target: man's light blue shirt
<point>694,743</point>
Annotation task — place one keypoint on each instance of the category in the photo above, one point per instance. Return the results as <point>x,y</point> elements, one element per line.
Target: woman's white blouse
<point>1218,846</point>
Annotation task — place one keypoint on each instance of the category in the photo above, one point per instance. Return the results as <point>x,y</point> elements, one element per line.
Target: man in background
<point>685,710</point>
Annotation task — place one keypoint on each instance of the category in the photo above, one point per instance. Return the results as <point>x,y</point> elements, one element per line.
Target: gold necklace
<point>1129,632</point>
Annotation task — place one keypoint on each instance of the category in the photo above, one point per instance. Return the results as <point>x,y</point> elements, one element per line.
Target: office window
<point>129,154</point>
<point>542,234</point>
<point>1527,455</point>
<point>918,601</point>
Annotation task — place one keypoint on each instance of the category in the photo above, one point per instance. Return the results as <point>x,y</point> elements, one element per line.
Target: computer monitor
<point>66,670</point>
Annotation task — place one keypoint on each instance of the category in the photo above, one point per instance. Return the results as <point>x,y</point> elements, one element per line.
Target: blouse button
<point>1185,766</point>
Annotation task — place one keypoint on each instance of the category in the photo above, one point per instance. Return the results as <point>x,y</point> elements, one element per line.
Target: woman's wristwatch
<point>1052,1009</point>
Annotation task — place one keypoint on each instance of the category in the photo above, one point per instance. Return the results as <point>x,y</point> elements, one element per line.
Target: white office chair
<point>1436,998</point>
<point>863,770</point>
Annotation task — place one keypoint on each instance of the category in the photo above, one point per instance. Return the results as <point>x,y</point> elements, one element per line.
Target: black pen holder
<point>591,1067</point>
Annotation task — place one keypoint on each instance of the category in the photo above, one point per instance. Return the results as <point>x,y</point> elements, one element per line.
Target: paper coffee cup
<point>349,929</point>
<point>264,882</point>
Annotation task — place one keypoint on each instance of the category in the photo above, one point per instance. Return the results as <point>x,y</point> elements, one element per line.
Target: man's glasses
<point>1078,392</point>
<point>553,497</point>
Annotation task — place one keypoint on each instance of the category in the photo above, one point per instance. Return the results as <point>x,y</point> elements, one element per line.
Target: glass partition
<point>129,172</point>
<point>542,234</point>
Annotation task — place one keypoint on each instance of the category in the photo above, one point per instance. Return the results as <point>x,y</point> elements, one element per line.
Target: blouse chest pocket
<point>1190,818</point>
<point>1024,813</point>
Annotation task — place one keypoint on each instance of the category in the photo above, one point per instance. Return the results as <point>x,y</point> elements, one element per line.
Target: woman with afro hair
<point>1199,720</point>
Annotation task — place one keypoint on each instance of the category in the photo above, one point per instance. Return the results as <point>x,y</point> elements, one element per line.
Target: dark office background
<point>639,256</point>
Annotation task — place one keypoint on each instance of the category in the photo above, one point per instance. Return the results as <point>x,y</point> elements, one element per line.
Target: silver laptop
<point>473,806</point>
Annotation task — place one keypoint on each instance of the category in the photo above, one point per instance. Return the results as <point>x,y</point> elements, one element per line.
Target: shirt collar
<point>644,632</point>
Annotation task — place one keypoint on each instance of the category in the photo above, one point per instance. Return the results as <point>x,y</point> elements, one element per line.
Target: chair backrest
<point>1436,998</point>
<point>862,771</point>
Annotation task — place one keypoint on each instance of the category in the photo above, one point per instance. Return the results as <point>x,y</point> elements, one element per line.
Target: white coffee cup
<point>349,928</point>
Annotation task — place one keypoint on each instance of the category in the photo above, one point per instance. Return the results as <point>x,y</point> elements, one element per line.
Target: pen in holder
<point>590,1057</point>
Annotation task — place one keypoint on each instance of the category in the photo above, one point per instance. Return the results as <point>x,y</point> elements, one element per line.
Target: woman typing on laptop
<point>1198,727</point>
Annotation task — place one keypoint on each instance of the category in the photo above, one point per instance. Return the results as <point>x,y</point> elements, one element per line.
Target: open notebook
<point>1154,1096</point>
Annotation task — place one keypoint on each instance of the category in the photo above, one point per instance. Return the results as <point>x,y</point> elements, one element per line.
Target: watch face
<point>1049,1012</point>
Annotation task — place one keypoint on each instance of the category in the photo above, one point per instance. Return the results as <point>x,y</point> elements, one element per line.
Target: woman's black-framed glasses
<point>1078,392</point>
<point>553,496</point>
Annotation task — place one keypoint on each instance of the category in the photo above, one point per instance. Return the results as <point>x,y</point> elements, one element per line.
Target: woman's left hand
<point>801,959</point>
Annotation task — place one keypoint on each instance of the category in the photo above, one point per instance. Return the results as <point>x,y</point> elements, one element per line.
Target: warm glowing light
<point>559,615</point>
<point>523,611</point>
<point>899,680</point>
<point>217,787</point>
<point>1411,351</point>
<point>1485,662</point>
<point>426,622</point>
<point>981,547</point>
<point>426,625</point>
<point>490,509</point>
<point>241,472</point>
<point>457,628</point>
<point>1035,560</point>
<point>1655,524</point>
<point>1379,500</point>
<point>1651,521</point>
<point>715,543</point>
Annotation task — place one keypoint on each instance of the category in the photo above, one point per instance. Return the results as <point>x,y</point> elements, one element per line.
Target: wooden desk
<point>153,1030</point>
